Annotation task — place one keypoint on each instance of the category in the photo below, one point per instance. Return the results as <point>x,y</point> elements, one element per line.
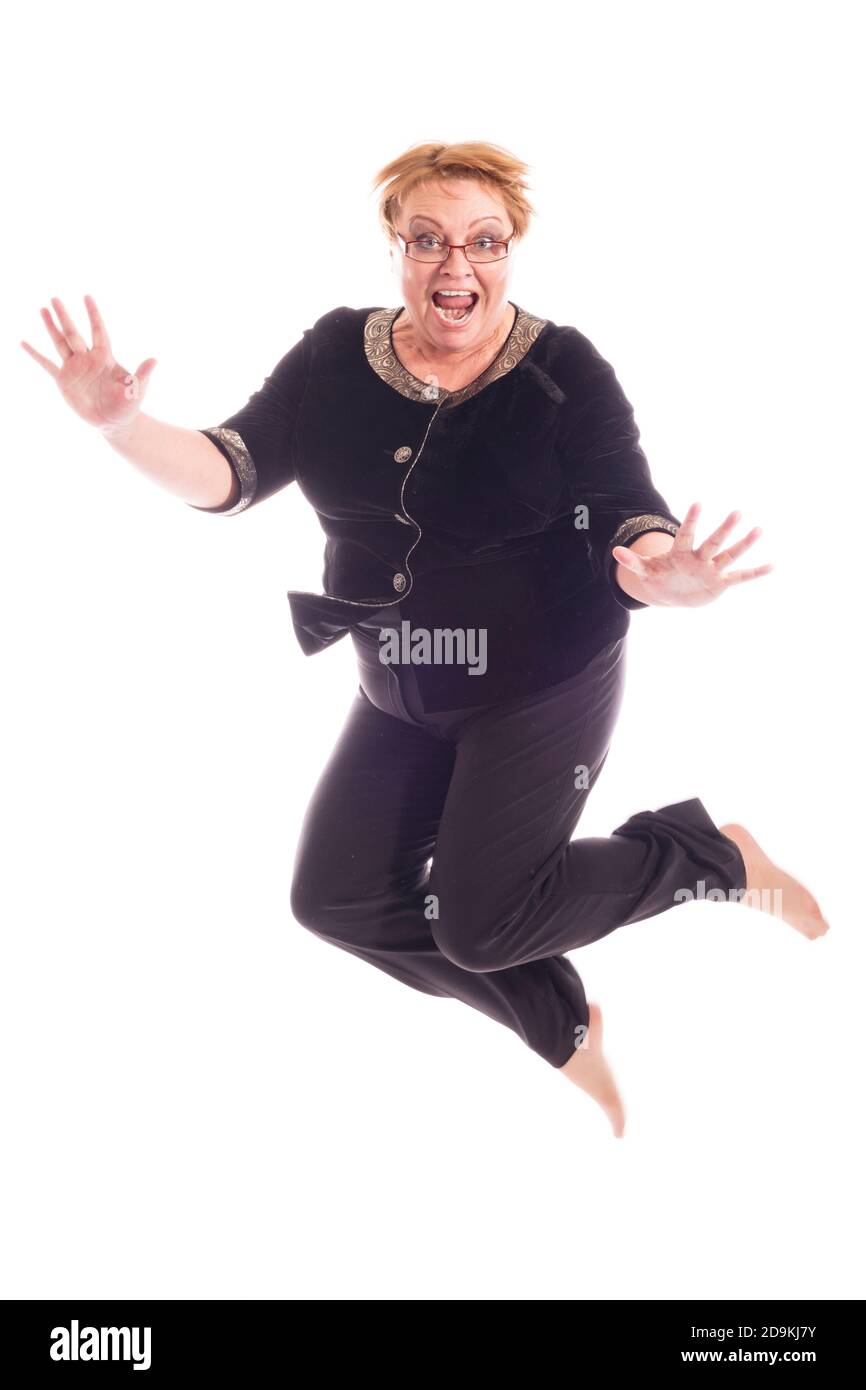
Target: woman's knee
<point>479,952</point>
<point>311,898</point>
<point>470,934</point>
<point>334,905</point>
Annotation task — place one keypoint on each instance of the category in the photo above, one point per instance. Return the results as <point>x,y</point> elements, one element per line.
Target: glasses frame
<point>453,246</point>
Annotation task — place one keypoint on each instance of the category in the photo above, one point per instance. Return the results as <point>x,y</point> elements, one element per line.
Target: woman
<point>490,520</point>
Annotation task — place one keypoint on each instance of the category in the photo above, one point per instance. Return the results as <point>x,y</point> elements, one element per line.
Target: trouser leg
<point>511,885</point>
<point>361,879</point>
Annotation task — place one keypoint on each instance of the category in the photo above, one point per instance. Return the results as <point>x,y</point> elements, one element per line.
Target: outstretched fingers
<point>57,338</point>
<point>98,330</point>
<point>734,551</point>
<point>69,340</point>
<point>684,538</point>
<point>707,549</point>
<point>740,576</point>
<point>51,368</point>
<point>73,337</point>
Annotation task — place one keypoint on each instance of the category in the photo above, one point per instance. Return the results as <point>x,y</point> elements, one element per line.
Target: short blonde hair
<point>492,165</point>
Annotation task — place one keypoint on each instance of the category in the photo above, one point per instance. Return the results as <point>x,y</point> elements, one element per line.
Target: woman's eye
<point>429,237</point>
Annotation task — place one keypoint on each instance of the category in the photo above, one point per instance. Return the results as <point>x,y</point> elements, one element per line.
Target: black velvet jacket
<point>491,508</point>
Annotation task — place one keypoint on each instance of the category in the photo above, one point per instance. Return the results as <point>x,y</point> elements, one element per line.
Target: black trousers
<point>491,795</point>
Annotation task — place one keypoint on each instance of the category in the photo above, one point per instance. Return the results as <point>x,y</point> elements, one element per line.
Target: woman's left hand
<point>687,576</point>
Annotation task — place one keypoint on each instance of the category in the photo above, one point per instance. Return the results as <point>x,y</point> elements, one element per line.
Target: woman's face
<point>456,211</point>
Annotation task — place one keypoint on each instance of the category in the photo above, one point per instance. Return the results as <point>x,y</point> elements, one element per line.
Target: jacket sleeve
<point>608,473</point>
<point>259,439</point>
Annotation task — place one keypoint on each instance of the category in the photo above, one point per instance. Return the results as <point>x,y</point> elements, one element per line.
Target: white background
<point>202,1099</point>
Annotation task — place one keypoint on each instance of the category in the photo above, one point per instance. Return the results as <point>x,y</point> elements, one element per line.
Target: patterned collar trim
<point>386,364</point>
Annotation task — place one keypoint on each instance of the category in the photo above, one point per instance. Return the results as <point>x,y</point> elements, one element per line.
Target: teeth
<point>461,293</point>
<point>454,315</point>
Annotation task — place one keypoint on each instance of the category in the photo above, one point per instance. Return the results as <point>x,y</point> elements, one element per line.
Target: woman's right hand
<point>90,380</point>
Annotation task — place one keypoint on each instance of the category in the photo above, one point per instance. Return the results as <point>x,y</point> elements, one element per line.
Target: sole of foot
<point>588,1069</point>
<point>770,889</point>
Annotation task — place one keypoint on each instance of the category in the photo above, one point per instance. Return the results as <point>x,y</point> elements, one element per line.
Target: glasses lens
<point>486,250</point>
<point>427,249</point>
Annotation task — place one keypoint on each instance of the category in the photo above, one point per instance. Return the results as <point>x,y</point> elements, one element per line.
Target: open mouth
<point>455,308</point>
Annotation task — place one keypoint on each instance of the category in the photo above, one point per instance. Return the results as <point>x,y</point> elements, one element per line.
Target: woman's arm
<point>224,468</point>
<point>184,461</point>
<point>237,464</point>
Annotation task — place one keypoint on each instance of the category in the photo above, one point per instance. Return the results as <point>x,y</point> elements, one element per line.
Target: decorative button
<point>405,520</point>
<point>403,453</point>
<point>399,582</point>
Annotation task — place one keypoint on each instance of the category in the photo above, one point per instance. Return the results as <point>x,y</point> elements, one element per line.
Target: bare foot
<point>770,889</point>
<point>589,1070</point>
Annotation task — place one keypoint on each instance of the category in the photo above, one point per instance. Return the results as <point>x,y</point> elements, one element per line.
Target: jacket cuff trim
<point>241,461</point>
<point>638,525</point>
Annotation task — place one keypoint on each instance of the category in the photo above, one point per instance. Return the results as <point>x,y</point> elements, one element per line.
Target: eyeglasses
<point>429,247</point>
